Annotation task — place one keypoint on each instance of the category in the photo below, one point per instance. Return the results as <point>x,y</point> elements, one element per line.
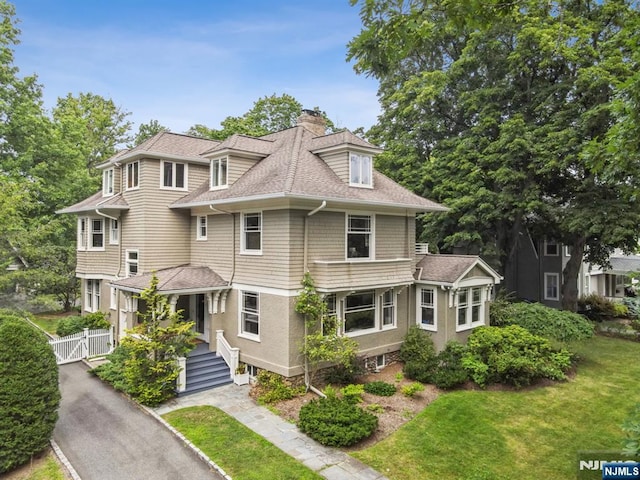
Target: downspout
<point>307,383</point>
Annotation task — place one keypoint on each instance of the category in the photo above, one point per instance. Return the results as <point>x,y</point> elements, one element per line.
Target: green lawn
<point>530,434</point>
<point>44,467</point>
<point>49,321</point>
<point>242,453</point>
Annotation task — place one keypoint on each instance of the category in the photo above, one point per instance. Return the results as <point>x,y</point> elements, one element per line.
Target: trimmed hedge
<point>538,319</point>
<point>419,355</point>
<point>29,392</point>
<point>382,389</point>
<point>75,324</point>
<point>336,422</point>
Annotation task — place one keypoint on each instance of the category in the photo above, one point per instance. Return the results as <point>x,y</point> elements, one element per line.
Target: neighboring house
<point>230,228</point>
<point>613,281</point>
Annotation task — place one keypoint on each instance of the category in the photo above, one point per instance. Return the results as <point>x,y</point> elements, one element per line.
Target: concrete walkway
<point>105,436</point>
<point>234,400</point>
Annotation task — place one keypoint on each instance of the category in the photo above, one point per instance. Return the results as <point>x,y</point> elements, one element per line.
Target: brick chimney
<point>313,121</point>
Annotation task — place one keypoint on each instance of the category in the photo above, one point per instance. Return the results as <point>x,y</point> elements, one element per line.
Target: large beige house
<point>230,227</point>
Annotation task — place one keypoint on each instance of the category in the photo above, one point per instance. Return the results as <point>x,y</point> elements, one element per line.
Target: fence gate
<point>85,344</point>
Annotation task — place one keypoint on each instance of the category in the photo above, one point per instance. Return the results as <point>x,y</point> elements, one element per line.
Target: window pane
<point>428,317</point>
<point>252,222</point>
<point>359,223</point>
<point>358,246</point>
<point>355,169</point>
<point>223,171</point>
<point>475,313</point>
<point>366,170</point>
<point>359,301</point>
<point>250,323</point>
<point>168,174</point>
<point>250,302</point>
<point>462,316</point>
<point>179,175</point>
<point>387,316</point>
<point>427,297</point>
<point>360,320</point>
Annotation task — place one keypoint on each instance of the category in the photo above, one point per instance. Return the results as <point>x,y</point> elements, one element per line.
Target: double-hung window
<point>250,314</point>
<point>107,182</point>
<point>251,233</point>
<point>427,309</point>
<point>114,232</point>
<point>359,312</point>
<point>219,173</point>
<point>470,308</point>
<point>201,226</point>
<point>388,303</point>
<point>133,175</point>
<point>92,295</point>
<point>552,286</point>
<point>96,236</point>
<point>359,236</point>
<point>173,175</point>
<point>360,170</point>
<point>132,262</point>
<point>551,248</point>
<point>83,229</point>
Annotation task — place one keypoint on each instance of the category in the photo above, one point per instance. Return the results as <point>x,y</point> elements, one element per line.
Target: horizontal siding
<point>237,167</point>
<point>98,262</point>
<point>327,236</point>
<point>339,163</point>
<point>347,275</point>
<point>217,251</point>
<point>391,237</point>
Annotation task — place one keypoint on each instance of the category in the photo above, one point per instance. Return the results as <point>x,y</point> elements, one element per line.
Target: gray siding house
<point>230,228</point>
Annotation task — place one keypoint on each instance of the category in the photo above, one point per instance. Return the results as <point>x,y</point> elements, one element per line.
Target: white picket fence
<point>85,344</point>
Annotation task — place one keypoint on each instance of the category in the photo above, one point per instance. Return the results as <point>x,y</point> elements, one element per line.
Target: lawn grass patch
<point>529,434</point>
<point>242,453</point>
<point>42,467</point>
<point>49,321</point>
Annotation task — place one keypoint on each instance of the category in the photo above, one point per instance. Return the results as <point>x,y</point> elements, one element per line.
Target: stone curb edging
<point>64,460</point>
<point>199,453</point>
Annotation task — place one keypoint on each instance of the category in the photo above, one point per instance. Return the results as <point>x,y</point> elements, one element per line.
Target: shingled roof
<point>97,202</point>
<point>293,170</point>
<point>450,269</point>
<point>184,278</point>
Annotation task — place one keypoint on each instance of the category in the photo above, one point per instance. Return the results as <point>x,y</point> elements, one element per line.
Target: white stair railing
<point>231,355</point>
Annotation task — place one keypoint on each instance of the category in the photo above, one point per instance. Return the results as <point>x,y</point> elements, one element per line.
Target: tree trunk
<point>570,272</point>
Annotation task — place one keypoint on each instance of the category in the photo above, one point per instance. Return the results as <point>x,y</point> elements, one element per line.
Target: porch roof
<point>622,265</point>
<point>450,269</point>
<point>183,279</point>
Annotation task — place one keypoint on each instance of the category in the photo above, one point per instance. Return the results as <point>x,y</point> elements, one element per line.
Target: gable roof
<point>184,278</point>
<point>621,265</point>
<point>292,170</point>
<point>450,269</point>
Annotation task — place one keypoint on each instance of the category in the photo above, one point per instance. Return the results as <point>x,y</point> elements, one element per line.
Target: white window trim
<point>243,247</point>
<point>199,236</point>
<point>91,295</point>
<point>108,182</point>
<point>469,324</point>
<point>90,246</point>
<point>241,332</point>
<point>113,298</point>
<point>546,244</point>
<point>128,262</point>
<point>126,182</point>
<point>83,238</point>
<point>434,291</point>
<point>114,239</point>
<point>394,305</point>
<point>376,315</point>
<point>360,156</point>
<point>173,178</point>
<point>222,183</point>
<point>372,237</point>
<point>557,277</point>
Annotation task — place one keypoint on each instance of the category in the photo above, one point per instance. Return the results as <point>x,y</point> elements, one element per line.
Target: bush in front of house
<point>512,355</point>
<point>450,371</point>
<point>538,319</point>
<point>597,307</point>
<point>273,387</point>
<point>382,389</point>
<point>419,355</point>
<point>113,371</point>
<point>29,392</point>
<point>336,422</point>
<point>77,323</point>
<point>633,306</point>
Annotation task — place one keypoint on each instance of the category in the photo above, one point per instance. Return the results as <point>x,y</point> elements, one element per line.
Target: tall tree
<point>146,131</point>
<point>495,112</point>
<point>268,114</point>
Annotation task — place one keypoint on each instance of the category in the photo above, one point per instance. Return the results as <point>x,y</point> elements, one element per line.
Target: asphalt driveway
<point>105,436</point>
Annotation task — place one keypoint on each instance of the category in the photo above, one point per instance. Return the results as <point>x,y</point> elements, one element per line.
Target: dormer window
<point>107,182</point>
<point>360,170</point>
<point>219,177</point>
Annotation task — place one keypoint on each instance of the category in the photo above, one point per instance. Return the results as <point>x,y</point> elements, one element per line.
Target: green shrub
<point>343,374</point>
<point>633,306</point>
<point>631,427</point>
<point>353,393</point>
<point>512,355</point>
<point>113,371</point>
<point>411,389</point>
<point>375,408</point>
<point>450,372</point>
<point>597,307</point>
<point>336,422</point>
<point>621,310</point>
<point>382,389</point>
<point>273,387</point>
<point>538,319</point>
<point>75,324</point>
<point>419,355</point>
<point>29,393</point>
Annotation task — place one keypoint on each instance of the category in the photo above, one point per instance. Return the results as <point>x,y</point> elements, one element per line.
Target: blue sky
<point>196,61</point>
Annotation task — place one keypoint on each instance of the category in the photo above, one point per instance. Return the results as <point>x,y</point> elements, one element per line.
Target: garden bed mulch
<point>398,409</point>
